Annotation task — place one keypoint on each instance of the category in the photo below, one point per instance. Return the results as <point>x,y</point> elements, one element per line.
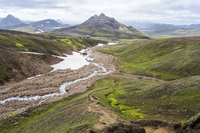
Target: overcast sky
<point>77,11</point>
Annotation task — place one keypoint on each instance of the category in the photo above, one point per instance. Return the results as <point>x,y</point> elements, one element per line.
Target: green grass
<point>21,46</point>
<point>167,59</point>
<point>28,29</point>
<point>172,101</point>
<point>69,115</point>
<point>115,98</point>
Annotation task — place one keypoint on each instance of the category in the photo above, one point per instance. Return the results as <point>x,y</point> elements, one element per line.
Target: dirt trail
<point>124,75</point>
<point>106,116</point>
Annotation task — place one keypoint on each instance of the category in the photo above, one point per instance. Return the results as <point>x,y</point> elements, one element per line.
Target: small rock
<point>116,104</point>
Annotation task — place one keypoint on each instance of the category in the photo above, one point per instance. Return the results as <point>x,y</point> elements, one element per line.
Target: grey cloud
<point>79,10</point>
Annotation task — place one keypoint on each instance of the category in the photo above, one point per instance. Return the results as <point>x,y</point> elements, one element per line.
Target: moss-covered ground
<point>134,99</point>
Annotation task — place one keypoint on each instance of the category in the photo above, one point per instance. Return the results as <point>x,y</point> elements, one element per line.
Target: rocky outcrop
<point>123,128</point>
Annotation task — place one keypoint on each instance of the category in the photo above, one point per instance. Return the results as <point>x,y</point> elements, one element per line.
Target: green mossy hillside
<point>165,59</point>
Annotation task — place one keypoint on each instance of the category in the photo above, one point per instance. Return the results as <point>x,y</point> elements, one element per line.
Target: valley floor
<point>104,100</point>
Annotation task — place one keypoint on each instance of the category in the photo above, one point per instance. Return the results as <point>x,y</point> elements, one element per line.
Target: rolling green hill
<point>175,59</point>
<point>15,66</point>
<point>134,99</point>
<point>165,59</point>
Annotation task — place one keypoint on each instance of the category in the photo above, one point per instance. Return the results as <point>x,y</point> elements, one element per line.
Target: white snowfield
<point>73,62</point>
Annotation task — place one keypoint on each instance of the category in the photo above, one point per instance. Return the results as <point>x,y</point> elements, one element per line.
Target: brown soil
<point>19,66</point>
<point>156,126</point>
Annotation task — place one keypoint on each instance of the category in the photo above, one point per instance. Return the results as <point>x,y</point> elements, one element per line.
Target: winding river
<point>75,61</point>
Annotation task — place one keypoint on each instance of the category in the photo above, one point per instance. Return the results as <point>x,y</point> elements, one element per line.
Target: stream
<point>75,61</point>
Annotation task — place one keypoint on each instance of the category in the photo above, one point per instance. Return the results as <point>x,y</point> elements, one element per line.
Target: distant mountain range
<point>192,26</point>
<point>146,25</point>
<point>152,28</point>
<point>12,23</point>
<point>102,26</point>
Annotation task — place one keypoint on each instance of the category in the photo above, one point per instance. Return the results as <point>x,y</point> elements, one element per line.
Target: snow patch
<point>101,44</point>
<point>72,62</point>
<point>39,31</point>
<point>35,76</point>
<point>33,53</point>
<point>112,43</point>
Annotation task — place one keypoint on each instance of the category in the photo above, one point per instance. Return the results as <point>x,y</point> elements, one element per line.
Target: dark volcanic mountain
<point>102,26</point>
<point>10,21</point>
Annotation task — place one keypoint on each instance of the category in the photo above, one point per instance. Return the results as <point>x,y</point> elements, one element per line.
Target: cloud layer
<point>77,11</point>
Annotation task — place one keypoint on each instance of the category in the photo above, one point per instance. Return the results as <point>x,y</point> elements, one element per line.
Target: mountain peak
<point>10,16</point>
<point>102,15</point>
<point>102,26</point>
<point>10,20</point>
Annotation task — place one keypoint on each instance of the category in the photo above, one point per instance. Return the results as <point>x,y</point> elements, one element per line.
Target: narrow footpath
<point>106,116</point>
